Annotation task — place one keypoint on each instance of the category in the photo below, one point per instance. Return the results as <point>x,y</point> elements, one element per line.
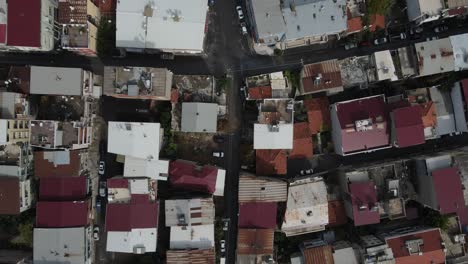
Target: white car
<point>218,154</point>
<point>244,29</point>
<point>96,233</point>
<point>102,188</point>
<point>239,12</point>
<point>102,166</point>
<point>225,226</point>
<point>223,246</point>
<point>350,45</point>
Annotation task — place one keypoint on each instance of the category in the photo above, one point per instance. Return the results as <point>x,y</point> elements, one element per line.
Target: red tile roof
<point>62,214</point>
<point>107,7</point>
<point>302,130</point>
<point>271,161</point>
<point>432,252</point>
<point>186,175</point>
<point>24,23</point>
<point>363,199</point>
<point>429,114</point>
<point>125,217</point>
<point>354,24</point>
<point>257,215</point>
<point>349,112</point>
<point>63,188</point>
<point>73,11</point>
<point>260,92</point>
<point>409,129</point>
<point>302,143</point>
<point>448,190</point>
<point>377,22</point>
<point>117,183</point>
<point>318,112</point>
<point>330,72</point>
<point>44,168</point>
<point>10,196</point>
<point>336,213</point>
<point>318,255</point>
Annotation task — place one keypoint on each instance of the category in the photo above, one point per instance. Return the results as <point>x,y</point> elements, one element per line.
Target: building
<point>302,142</point>
<point>64,188</point>
<point>306,208</point>
<point>384,66</point>
<point>168,26</point>
<point>49,134</point>
<point>13,105</point>
<point>290,24</point>
<point>17,80</point>
<point>14,131</point>
<point>374,250</point>
<point>62,245</point>
<point>255,246</point>
<point>422,11</point>
<point>261,189</point>
<point>407,125</point>
<point>190,256</point>
<point>188,176</point>
<point>421,97</point>
<point>16,195</point>
<point>61,214</point>
<point>265,86</point>
<point>138,82</point>
<point>322,254</point>
<point>79,20</point>
<point>336,213</point>
<point>36,32</point>
<point>131,215</point>
<point>460,53</point>
<point>324,76</point>
<point>459,96</point>
<point>275,125</point>
<point>199,117</point>
<point>61,81</point>
<point>271,162</point>
<point>318,114</point>
<point>408,64</point>
<point>435,56</point>
<point>360,125</point>
<point>444,109</point>
<point>423,246</point>
<point>261,215</point>
<point>62,163</point>
<point>154,169</point>
<point>343,253</point>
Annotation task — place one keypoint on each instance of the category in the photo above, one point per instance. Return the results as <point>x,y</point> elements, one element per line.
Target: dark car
<point>380,41</point>
<point>440,29</point>
<point>211,2</point>
<point>102,147</point>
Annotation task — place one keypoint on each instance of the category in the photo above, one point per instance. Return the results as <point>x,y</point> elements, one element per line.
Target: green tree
<point>105,37</point>
<point>380,7</point>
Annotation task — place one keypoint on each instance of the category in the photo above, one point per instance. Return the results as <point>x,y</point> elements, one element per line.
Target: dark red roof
<point>63,188</point>
<point>354,24</point>
<point>457,11</point>
<point>187,175</point>
<point>257,215</point>
<point>62,214</point>
<point>336,213</point>
<point>432,252</point>
<point>318,113</point>
<point>465,90</point>
<point>364,198</point>
<point>349,112</point>
<point>10,196</point>
<point>271,161</point>
<point>125,217</point>
<point>448,190</point>
<point>107,7</point>
<point>3,31</point>
<point>24,23</point>
<point>260,92</point>
<point>117,183</point>
<point>409,128</point>
<point>45,168</point>
<point>302,143</point>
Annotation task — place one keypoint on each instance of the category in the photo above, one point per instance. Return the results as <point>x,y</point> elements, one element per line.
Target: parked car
<point>98,204</point>
<point>96,233</point>
<point>416,30</point>
<point>226,226</point>
<point>167,56</point>
<point>102,167</point>
<point>400,36</point>
<point>307,172</point>
<point>211,2</point>
<point>218,154</point>
<point>380,41</point>
<point>102,188</point>
<point>440,29</point>
<point>244,29</point>
<point>218,138</point>
<point>223,245</point>
<point>350,45</point>
<point>239,12</point>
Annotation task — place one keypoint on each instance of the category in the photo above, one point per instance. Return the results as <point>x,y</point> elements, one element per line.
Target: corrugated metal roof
<point>257,215</point>
<point>255,242</point>
<point>24,23</point>
<point>321,76</point>
<point>62,214</point>
<point>63,188</point>
<point>186,175</point>
<point>196,256</point>
<point>125,217</point>
<point>47,166</point>
<point>318,255</point>
<point>262,189</point>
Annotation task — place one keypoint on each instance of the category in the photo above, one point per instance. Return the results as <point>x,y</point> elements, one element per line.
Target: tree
<point>435,219</point>
<point>379,7</point>
<point>105,42</point>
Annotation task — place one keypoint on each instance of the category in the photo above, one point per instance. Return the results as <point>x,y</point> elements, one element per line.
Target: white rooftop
<point>435,56</point>
<point>444,109</point>
<point>163,24</point>
<point>306,208</point>
<point>196,237</point>
<point>417,9</point>
<point>56,81</point>
<point>384,65</point>
<point>199,117</point>
<point>154,169</point>
<point>460,51</point>
<point>266,137</point>
<point>139,140</point>
<point>220,182</point>
<point>128,242</point>
<point>345,256</point>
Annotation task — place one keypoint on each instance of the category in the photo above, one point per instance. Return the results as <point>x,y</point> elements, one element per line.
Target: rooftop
<point>318,255</point>
<point>24,23</point>
<point>199,117</point>
<point>56,81</point>
<point>322,76</point>
<point>277,136</point>
<point>10,193</point>
<point>187,175</point>
<point>72,12</point>
<point>63,188</point>
<point>318,113</point>
<point>418,247</point>
<point>418,9</point>
<point>193,237</point>
<point>271,162</point>
<point>306,208</point>
<point>360,125</point>
<point>448,190</point>
<point>262,189</point>
<point>62,214</point>
<point>255,242</point>
<point>408,126</point>
<point>131,190</point>
<point>165,25</point>
<point>364,203</point>
<point>302,144</point>
<point>189,212</point>
<point>385,67</point>
<point>272,85</point>
<point>435,56</point>
<point>257,215</point>
<point>125,217</point>
<point>444,109</point>
<point>57,163</point>
<point>188,256</point>
<point>336,213</point>
<point>460,52</point>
